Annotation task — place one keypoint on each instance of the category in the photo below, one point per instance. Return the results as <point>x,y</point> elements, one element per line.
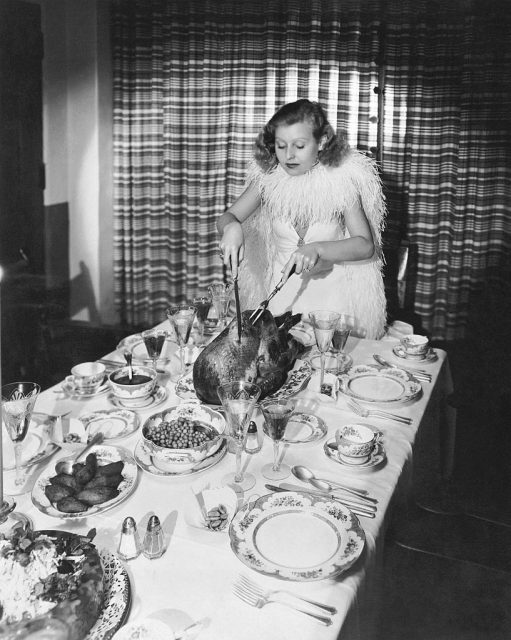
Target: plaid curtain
<point>194,80</point>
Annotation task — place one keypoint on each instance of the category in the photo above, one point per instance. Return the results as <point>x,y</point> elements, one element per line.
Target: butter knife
<point>361,510</point>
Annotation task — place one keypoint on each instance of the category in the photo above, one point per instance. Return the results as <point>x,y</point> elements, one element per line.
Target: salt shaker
<point>253,441</point>
<point>153,539</point>
<point>129,544</point>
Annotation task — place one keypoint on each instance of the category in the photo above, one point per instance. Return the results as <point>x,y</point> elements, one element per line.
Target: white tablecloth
<point>194,577</point>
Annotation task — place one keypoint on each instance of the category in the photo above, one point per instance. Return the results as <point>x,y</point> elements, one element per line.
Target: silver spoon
<point>306,475</point>
<point>128,356</point>
<point>66,466</point>
<point>323,485</point>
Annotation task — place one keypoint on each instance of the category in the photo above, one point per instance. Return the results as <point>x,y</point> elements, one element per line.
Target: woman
<point>313,203</point>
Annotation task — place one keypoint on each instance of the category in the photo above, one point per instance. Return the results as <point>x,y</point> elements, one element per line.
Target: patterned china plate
<point>297,378</point>
<point>143,458</point>
<point>112,423</point>
<point>431,355</point>
<point>135,344</point>
<point>379,385</point>
<point>377,457</point>
<point>273,536</point>
<point>156,398</point>
<point>105,455</point>
<point>304,427</point>
<point>37,445</point>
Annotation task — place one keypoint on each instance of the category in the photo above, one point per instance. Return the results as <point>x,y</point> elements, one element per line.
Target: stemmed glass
<point>341,334</point>
<point>238,400</point>
<point>276,416</point>
<point>221,297</point>
<point>18,400</point>
<point>154,339</point>
<point>181,318</point>
<point>202,304</point>
<point>323,322</point>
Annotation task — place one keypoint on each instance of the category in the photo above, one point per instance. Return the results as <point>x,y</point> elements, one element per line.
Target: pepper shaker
<point>153,539</point>
<point>129,544</point>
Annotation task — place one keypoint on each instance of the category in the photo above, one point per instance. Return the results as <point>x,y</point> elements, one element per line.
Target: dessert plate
<point>273,536</point>
<point>105,454</point>
<point>143,458</point>
<point>379,385</point>
<point>377,457</point>
<point>157,397</point>
<point>112,423</point>
<point>431,355</point>
<point>304,427</point>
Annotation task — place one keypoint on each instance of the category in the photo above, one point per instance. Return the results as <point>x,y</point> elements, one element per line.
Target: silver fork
<point>377,413</point>
<point>255,600</point>
<point>249,584</point>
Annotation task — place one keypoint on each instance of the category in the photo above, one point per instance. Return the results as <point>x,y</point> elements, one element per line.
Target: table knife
<point>357,508</point>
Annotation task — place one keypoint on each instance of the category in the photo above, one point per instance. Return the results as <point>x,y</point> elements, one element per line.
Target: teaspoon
<point>128,357</point>
<point>306,475</point>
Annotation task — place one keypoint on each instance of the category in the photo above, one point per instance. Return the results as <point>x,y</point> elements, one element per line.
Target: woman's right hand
<point>232,246</point>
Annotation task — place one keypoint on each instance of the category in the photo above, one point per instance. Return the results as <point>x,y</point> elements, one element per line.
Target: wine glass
<point>276,416</point>
<point>323,322</point>
<point>181,318</point>
<point>18,400</point>
<point>202,304</point>
<point>238,400</point>
<point>154,339</point>
<point>221,297</point>
<point>341,334</point>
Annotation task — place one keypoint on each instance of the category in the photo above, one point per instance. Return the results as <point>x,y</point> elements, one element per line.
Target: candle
<point>1,413</point>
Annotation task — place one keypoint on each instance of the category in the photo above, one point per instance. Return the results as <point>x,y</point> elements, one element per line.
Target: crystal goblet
<point>323,322</point>
<point>181,318</point>
<point>342,330</point>
<point>18,400</point>
<point>154,339</point>
<point>221,297</point>
<point>239,399</point>
<point>203,305</point>
<point>276,416</point>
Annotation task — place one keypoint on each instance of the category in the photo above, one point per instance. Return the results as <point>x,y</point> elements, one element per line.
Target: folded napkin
<point>206,499</point>
<point>330,386</point>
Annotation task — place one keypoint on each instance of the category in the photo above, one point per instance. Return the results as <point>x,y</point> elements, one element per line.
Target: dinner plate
<point>105,454</point>
<point>143,458</point>
<point>376,458</point>
<point>157,397</point>
<point>302,428</point>
<point>116,598</point>
<point>297,378</point>
<point>135,344</point>
<point>112,423</point>
<point>379,385</point>
<point>431,355</point>
<point>296,536</point>
<point>36,447</point>
<point>72,392</point>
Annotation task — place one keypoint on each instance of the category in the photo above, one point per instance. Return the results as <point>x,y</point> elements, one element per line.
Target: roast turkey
<point>264,355</point>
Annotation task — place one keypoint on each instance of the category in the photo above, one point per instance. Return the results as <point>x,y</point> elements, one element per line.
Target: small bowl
<point>138,391</point>
<point>415,345</point>
<point>355,441</point>
<point>182,460</point>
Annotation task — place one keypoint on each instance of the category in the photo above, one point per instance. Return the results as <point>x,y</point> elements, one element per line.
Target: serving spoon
<point>66,466</point>
<point>306,475</point>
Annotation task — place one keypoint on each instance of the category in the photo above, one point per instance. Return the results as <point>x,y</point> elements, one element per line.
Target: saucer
<point>430,356</point>
<point>143,458</point>
<point>376,457</point>
<point>156,398</point>
<point>72,392</point>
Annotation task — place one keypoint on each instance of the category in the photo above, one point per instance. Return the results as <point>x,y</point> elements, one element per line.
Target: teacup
<point>86,377</point>
<point>355,441</point>
<point>415,345</point>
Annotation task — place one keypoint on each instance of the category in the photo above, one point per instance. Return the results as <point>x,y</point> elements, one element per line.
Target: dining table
<point>194,578</point>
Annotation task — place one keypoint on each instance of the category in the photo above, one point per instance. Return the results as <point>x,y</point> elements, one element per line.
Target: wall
<point>77,122</point>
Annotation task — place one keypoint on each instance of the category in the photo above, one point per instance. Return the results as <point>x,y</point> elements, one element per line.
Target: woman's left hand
<point>306,259</point>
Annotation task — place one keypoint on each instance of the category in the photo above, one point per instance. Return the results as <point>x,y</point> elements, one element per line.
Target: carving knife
<point>360,509</point>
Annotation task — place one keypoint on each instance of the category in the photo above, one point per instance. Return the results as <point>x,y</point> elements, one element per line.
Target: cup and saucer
<point>87,380</point>
<point>415,347</point>
<point>356,445</point>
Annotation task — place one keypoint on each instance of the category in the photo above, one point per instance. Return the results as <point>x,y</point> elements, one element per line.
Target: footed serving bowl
<point>183,423</point>
<point>141,387</point>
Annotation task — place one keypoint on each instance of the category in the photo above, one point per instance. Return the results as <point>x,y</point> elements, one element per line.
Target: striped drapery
<point>194,80</point>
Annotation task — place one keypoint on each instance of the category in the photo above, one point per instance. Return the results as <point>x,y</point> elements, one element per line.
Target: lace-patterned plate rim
<point>296,380</point>
<point>116,600</point>
<point>379,385</point>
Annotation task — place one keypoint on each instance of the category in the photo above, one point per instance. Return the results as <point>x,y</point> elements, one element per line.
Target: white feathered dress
<point>315,199</point>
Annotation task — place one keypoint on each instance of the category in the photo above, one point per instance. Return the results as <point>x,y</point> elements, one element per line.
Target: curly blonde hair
<point>303,110</point>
